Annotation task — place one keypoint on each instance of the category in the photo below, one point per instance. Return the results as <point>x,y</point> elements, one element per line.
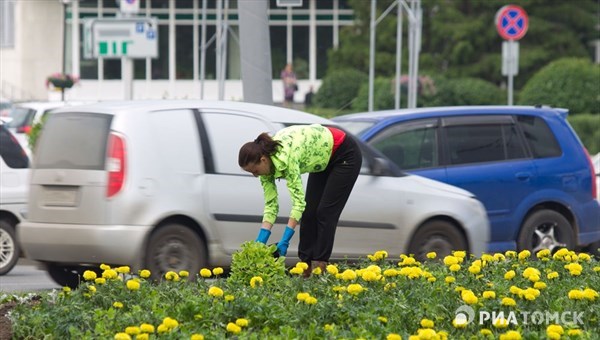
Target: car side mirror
<point>380,167</point>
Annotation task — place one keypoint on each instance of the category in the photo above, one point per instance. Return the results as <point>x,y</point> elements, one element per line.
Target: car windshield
<point>355,128</point>
<point>18,117</point>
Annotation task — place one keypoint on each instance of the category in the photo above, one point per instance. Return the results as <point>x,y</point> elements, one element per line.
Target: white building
<point>31,48</point>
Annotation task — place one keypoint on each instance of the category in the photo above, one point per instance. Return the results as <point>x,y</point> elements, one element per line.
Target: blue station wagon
<point>525,164</point>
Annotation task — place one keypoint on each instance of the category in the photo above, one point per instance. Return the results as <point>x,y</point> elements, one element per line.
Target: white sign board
<point>289,3</point>
<point>510,58</point>
<point>130,6</point>
<point>121,37</point>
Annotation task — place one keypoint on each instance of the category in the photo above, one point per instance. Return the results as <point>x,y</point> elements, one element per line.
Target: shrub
<point>570,83</point>
<point>383,96</point>
<point>587,126</point>
<point>465,91</point>
<point>339,89</point>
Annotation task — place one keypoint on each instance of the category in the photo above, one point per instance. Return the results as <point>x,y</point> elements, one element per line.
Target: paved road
<point>24,278</point>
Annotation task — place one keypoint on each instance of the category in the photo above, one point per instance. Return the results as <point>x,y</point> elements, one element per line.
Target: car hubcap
<point>545,238</point>
<point>7,248</point>
<point>437,244</point>
<point>172,255</point>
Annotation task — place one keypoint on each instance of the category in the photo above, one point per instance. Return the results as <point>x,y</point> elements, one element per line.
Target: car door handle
<point>523,176</point>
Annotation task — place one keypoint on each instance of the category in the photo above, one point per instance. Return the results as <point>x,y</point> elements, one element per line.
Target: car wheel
<point>9,247</point>
<point>546,229</point>
<point>175,247</point>
<point>66,276</point>
<point>437,236</point>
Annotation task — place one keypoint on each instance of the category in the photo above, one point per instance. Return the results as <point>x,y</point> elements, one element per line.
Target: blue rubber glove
<point>263,235</point>
<point>283,245</point>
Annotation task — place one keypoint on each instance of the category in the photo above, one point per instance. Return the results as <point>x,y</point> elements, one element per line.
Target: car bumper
<point>83,244</point>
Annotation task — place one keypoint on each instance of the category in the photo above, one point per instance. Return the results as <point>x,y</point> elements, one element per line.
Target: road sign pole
<point>512,23</point>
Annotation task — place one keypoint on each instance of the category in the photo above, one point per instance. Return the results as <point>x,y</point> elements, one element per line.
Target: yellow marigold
<point>100,281</point>
<point>89,275</point>
<point>474,269</point>
<point>553,335</point>
<point>217,271</point>
<point>460,254</point>
<point>393,336</point>
<point>215,291</point>
<point>539,285</point>
<point>524,254</point>
<point>427,333</point>
<point>118,304</point>
<point>382,319</point>
<point>133,330</point>
<point>162,328</point>
<point>242,322</point>
<point>585,257</point>
<point>196,337</point>
<point>123,270</point>
<point>147,328</point>
<point>171,276</point>
<point>574,268</point>
<point>408,261</point>
<point>184,273</point>
<point>355,289</point>
<point>499,257</point>
<point>561,253</point>
<point>575,294</point>
<point>574,332</point>
<point>514,290</point>
<point>349,275</point>
<point>133,285</point>
<point>500,323</point>
<point>454,268</point>
<point>170,322</point>
<point>555,329</point>
<point>511,253</point>
<point>233,328</point>
<point>256,281</point>
<point>122,336</point>
<point>302,265</point>
<point>543,253</point>
<point>590,294</point>
<point>317,271</point>
<point>529,271</point>
<point>328,327</point>
<point>450,260</point>
<point>489,294</point>
<point>450,279</point>
<point>390,272</point>
<point>485,331</point>
<point>205,272</point>
<point>431,255</point>
<point>104,266</point>
<point>469,297</point>
<point>142,336</point>
<point>488,258</point>
<point>332,269</point>
<point>552,275</point>
<point>145,273</point>
<point>229,298</point>
<point>511,335</point>
<point>510,274</point>
<point>532,291</point>
<point>459,322</point>
<point>426,323</point>
<point>389,286</point>
<point>311,300</point>
<point>296,271</point>
<point>92,289</point>
<point>302,296</point>
<point>368,275</point>
<point>508,302</point>
<point>431,279</point>
<point>109,274</point>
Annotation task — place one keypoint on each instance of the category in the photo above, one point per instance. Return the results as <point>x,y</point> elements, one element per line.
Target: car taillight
<point>115,164</point>
<point>592,175</point>
<point>24,129</point>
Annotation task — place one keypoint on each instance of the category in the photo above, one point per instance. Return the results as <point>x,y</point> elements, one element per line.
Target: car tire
<point>66,276</point>
<point>175,247</point>
<point>546,229</point>
<point>437,236</point>
<point>9,246</point>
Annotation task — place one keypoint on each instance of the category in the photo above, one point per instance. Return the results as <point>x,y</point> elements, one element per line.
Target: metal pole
<point>398,95</point>
<point>510,61</point>
<point>417,51</point>
<point>372,53</point>
<point>219,44</point>
<point>225,33</point>
<point>203,50</point>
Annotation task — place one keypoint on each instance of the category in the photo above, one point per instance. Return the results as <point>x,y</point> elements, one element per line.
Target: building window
<point>7,20</point>
<point>160,65</point>
<point>184,52</point>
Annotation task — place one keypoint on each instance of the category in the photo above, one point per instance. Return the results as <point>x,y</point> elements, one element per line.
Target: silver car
<point>156,185</point>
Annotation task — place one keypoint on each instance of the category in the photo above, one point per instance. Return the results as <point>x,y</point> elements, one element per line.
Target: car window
<point>539,136</point>
<point>11,151</point>
<point>20,117</point>
<point>410,145</point>
<point>73,141</point>
<point>475,143</point>
<point>227,133</point>
<point>355,127</point>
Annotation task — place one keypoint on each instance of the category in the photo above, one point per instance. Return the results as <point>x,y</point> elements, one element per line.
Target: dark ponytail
<point>251,152</point>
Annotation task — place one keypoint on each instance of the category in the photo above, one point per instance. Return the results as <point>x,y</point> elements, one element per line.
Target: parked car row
<point>525,164</point>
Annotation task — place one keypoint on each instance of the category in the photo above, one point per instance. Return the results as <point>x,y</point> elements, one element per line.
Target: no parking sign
<point>512,22</point>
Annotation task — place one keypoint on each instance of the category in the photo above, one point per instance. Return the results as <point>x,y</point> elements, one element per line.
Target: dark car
<point>525,164</point>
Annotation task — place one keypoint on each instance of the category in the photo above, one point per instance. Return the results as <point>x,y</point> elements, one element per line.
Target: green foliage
<point>256,259</point>
<point>34,134</point>
<point>383,96</point>
<point>570,83</point>
<point>465,91</point>
<point>587,127</point>
<point>339,88</point>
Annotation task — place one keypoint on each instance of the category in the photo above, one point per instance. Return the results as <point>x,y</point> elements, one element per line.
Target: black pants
<point>326,195</point>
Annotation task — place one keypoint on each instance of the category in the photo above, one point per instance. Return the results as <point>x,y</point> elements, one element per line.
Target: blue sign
<point>512,22</point>
<point>139,27</point>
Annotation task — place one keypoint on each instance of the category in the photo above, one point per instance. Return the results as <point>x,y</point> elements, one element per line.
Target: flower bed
<point>506,296</point>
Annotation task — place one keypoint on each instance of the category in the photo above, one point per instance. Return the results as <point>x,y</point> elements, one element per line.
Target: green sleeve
<point>271,200</point>
<point>294,184</point>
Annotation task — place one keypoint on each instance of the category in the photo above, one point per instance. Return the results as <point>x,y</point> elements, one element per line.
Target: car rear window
<point>20,116</point>
<point>539,136</point>
<point>73,141</point>
<point>355,128</point>
<point>11,151</point>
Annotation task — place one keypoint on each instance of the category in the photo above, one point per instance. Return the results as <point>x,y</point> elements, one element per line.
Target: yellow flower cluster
<point>236,327</point>
<point>256,281</point>
<point>428,333</point>
<point>172,276</point>
<point>306,298</point>
<point>554,331</point>
<point>378,256</point>
<point>574,268</point>
<point>469,297</point>
<point>167,325</point>
<point>580,294</point>
<point>299,268</point>
<point>511,335</point>
<point>215,291</point>
<point>143,331</point>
